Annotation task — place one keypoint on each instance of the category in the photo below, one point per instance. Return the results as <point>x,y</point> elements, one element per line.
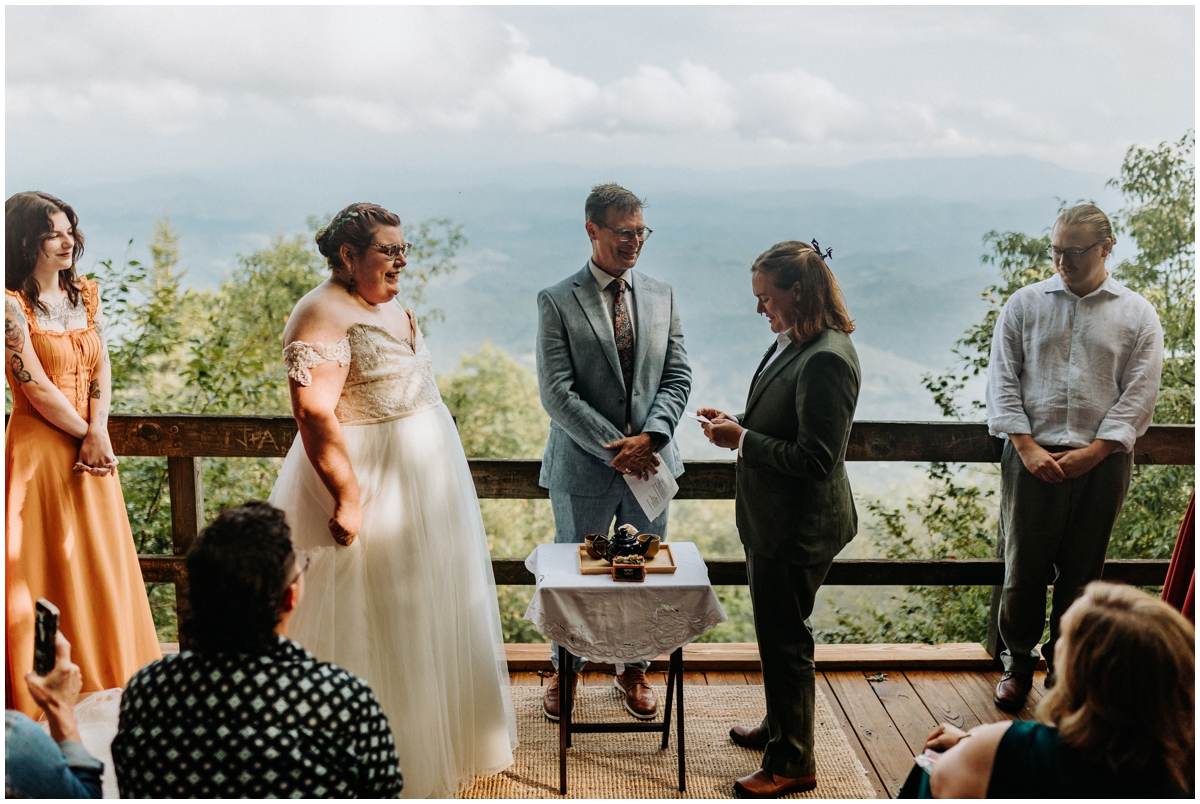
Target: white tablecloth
<point>608,621</point>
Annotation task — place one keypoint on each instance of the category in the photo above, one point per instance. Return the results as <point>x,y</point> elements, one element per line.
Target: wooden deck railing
<point>185,440</point>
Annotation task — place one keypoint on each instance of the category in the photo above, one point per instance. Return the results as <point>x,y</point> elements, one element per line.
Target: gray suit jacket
<point>794,501</point>
<point>580,383</point>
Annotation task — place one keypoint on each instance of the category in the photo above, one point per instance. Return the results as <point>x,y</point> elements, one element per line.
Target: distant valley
<point>907,240</point>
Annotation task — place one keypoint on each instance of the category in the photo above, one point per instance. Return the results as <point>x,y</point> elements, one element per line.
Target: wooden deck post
<point>187,514</point>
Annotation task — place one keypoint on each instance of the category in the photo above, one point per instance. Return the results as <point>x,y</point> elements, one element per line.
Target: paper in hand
<point>653,494</point>
<point>699,418</point>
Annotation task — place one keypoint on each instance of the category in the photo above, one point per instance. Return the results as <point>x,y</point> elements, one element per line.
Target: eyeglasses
<point>393,250</point>
<point>627,235</point>
<point>1072,254</point>
<point>299,572</point>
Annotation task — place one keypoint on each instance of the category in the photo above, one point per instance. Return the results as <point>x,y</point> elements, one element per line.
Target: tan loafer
<point>1012,691</point>
<point>762,784</point>
<point>752,737</point>
<point>550,702</point>
<point>639,698</point>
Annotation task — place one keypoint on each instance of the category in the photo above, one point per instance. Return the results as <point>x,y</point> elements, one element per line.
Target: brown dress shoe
<point>762,784</point>
<point>639,698</point>
<point>750,737</point>
<point>1012,691</point>
<point>550,703</point>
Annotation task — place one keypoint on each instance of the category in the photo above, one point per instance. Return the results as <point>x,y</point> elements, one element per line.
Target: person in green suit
<point>795,510</point>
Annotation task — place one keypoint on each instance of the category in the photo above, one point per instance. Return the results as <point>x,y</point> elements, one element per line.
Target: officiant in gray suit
<point>614,377</point>
<point>794,507</point>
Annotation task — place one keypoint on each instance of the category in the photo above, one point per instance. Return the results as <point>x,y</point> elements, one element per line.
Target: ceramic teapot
<point>625,541</point>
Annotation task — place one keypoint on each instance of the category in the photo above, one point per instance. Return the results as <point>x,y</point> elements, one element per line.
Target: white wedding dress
<point>410,606</point>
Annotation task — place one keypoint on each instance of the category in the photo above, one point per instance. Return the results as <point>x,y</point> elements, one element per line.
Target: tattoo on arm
<point>14,327</point>
<point>100,331</point>
<point>18,369</point>
<point>94,389</point>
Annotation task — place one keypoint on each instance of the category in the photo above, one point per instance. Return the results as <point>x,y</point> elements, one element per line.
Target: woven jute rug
<point>632,766</point>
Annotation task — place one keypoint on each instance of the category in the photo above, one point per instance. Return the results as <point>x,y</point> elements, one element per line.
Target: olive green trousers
<point>1056,532</point>
<point>783,595</point>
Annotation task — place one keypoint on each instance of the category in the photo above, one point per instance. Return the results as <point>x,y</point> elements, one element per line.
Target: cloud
<point>164,107</point>
<point>385,70</point>
<point>158,78</point>
<point>524,92</point>
<point>655,99</point>
<point>797,106</point>
<point>375,116</point>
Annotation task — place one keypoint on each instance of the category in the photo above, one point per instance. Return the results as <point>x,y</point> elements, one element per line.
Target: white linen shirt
<point>610,298</point>
<point>1069,370</point>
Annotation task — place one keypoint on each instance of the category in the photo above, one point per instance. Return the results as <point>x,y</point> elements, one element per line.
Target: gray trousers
<point>575,517</point>
<point>1060,528</point>
<point>783,596</point>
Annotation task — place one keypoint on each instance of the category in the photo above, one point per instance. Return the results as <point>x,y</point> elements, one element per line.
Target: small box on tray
<point>629,568</point>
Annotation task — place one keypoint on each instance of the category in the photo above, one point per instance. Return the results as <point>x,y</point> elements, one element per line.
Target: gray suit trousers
<point>1051,527</point>
<point>783,595</point>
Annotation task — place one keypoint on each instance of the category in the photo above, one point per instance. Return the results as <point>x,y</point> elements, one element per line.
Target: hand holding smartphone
<point>45,630</point>
<point>55,681</point>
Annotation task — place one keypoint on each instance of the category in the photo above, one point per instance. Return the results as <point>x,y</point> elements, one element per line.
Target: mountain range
<point>907,237</point>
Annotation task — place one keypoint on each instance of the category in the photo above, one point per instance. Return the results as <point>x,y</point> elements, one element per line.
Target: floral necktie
<point>623,333</point>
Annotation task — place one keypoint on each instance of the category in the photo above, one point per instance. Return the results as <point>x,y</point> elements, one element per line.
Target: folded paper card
<point>655,493</point>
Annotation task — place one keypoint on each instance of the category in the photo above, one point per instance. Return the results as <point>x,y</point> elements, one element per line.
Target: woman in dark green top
<point>1118,724</point>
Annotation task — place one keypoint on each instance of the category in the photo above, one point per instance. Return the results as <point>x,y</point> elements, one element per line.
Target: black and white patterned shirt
<point>280,724</point>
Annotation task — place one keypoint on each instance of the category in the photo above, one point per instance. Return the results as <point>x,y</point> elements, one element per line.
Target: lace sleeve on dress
<point>300,356</point>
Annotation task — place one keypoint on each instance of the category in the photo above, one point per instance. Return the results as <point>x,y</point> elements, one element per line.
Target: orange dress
<point>67,536</point>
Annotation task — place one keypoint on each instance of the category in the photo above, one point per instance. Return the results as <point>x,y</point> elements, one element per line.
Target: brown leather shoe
<point>762,784</point>
<point>750,737</point>
<point>639,698</point>
<point>550,703</point>
<point>1012,691</point>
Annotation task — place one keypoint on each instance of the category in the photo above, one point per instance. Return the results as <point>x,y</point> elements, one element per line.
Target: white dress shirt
<point>782,340</point>
<point>1068,371</point>
<point>609,297</point>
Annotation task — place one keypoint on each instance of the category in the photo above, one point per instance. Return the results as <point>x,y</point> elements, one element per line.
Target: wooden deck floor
<point>886,714</point>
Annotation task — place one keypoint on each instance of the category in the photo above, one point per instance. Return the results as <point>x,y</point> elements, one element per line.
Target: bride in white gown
<point>380,499</point>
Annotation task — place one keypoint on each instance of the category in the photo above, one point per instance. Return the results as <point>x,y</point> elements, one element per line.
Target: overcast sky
<point>125,91</point>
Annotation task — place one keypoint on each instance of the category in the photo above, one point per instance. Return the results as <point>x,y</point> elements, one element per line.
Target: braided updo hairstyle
<point>354,226</point>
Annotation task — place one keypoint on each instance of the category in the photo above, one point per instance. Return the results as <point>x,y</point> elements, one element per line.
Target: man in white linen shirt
<point>1072,382</point>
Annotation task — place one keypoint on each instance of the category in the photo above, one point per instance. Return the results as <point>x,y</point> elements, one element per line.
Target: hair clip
<point>338,221</point>
<point>828,255</point>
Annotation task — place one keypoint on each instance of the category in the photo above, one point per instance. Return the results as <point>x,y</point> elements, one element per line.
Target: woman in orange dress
<point>67,536</point>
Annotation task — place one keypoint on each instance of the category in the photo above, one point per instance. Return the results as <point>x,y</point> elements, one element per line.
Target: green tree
<point>149,316</point>
<point>494,400</point>
<point>957,519</point>
<point>1160,185</point>
<point>234,365</point>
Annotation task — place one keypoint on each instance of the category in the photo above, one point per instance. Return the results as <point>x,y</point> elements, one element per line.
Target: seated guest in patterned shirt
<point>248,712</point>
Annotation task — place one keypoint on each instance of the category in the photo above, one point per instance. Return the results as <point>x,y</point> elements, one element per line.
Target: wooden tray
<point>663,562</point>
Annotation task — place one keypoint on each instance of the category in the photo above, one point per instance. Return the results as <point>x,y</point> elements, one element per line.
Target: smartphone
<point>45,630</point>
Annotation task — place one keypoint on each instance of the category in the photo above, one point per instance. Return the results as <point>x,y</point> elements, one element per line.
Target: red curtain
<point>1180,587</point>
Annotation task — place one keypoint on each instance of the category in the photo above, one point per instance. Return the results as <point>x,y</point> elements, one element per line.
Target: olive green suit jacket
<point>794,502</point>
